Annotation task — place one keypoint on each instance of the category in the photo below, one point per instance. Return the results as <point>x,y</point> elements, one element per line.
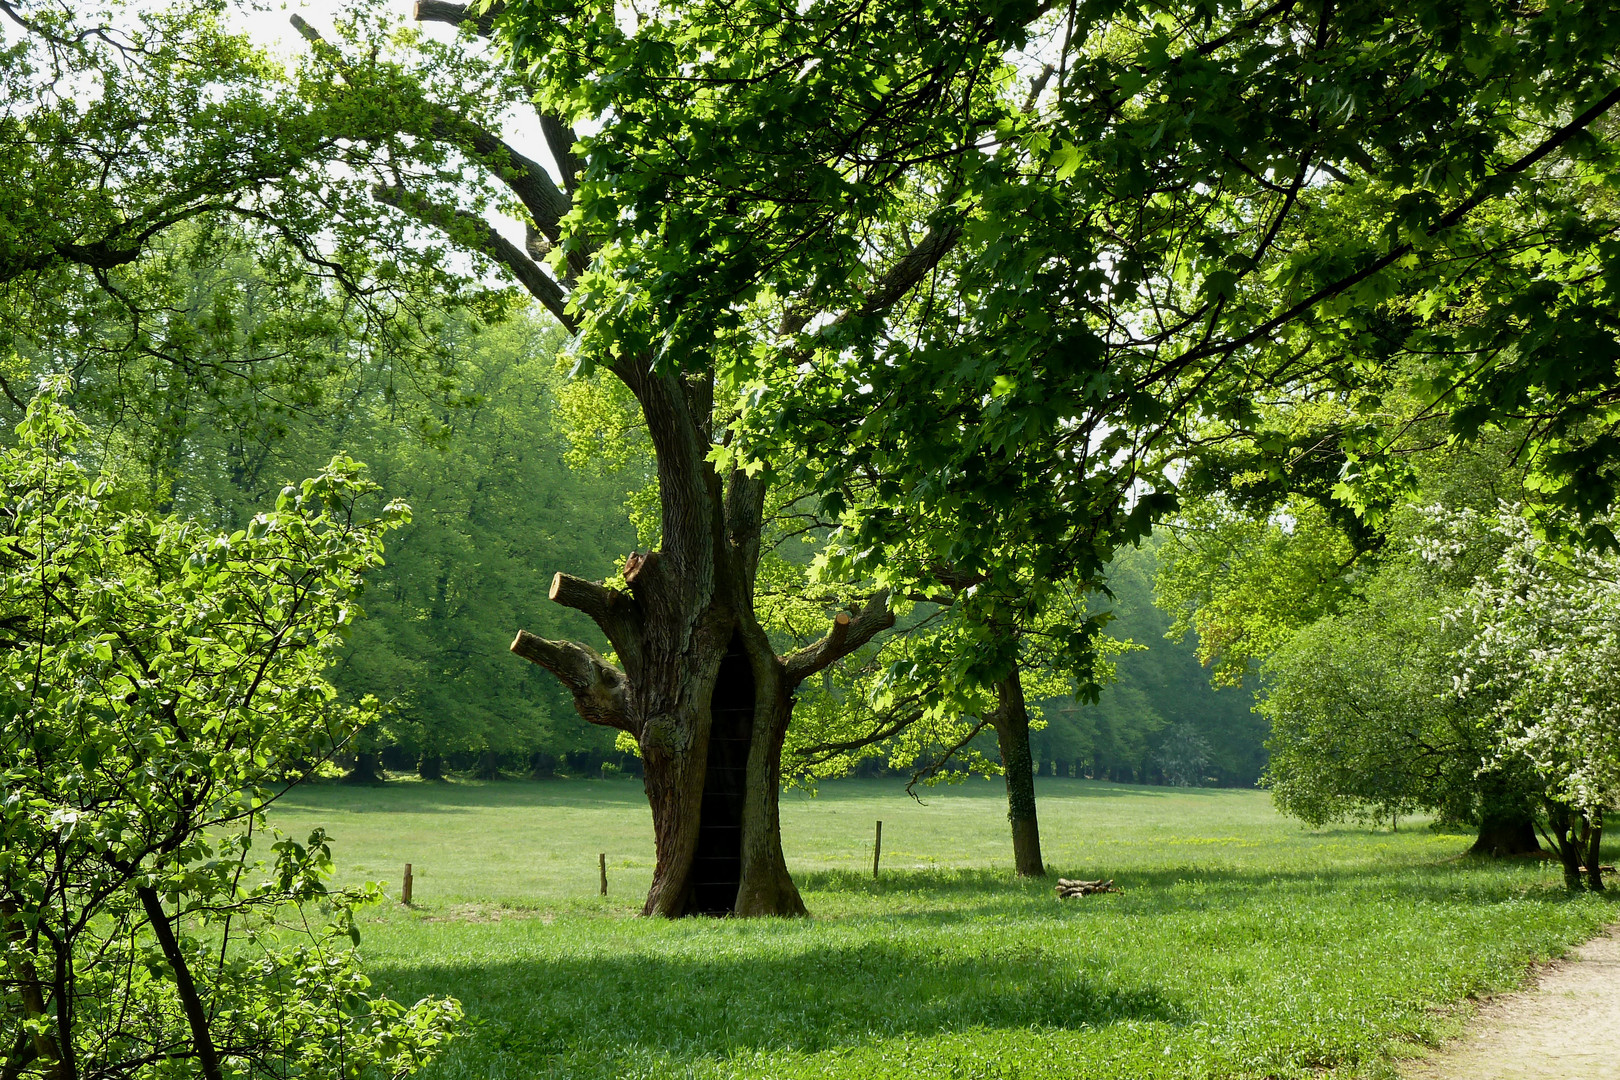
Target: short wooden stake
<point>601,861</point>
<point>405,893</point>
<point>877,849</point>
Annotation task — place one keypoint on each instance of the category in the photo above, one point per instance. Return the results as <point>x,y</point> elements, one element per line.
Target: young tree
<point>160,681</point>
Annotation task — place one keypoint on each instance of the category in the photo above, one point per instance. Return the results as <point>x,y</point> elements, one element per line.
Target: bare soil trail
<point>1566,1026</point>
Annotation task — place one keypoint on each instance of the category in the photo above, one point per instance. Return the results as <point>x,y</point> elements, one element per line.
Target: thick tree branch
<point>600,691</point>
<point>526,178</point>
<point>487,239</point>
<point>847,635</point>
<point>903,276</point>
<point>615,612</point>
<point>456,15</point>
<point>899,280</point>
<point>560,138</point>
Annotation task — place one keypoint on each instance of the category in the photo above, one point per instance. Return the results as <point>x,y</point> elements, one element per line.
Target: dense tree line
<point>493,449</point>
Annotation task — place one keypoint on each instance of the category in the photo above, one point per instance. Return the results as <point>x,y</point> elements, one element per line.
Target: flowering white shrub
<point>1544,647</point>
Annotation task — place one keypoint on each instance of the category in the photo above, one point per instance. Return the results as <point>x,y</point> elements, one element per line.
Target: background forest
<point>500,454</point>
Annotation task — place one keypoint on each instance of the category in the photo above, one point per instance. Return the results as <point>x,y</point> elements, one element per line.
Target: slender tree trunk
<point>1011,723</point>
<point>202,1039</point>
<point>1594,852</point>
<point>430,767</point>
<point>43,1046</point>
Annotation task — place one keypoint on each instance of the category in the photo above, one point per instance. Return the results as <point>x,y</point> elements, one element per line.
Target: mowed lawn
<point>1243,946</point>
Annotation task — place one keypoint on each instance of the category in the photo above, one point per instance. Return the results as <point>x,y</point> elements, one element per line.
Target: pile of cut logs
<point>1067,888</point>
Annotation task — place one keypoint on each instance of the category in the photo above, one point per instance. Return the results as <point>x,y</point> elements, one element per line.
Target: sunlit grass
<point>1242,946</point>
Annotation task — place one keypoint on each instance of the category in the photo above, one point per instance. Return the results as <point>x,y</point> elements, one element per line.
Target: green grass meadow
<point>1243,946</point>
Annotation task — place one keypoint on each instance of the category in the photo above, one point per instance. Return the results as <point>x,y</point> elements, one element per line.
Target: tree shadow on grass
<point>795,1000</point>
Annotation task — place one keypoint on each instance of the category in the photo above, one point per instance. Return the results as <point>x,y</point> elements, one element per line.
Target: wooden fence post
<point>601,860</point>
<point>405,893</point>
<point>877,850</point>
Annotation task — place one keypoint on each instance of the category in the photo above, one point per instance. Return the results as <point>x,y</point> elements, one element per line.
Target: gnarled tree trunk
<point>1505,834</point>
<point>694,678</point>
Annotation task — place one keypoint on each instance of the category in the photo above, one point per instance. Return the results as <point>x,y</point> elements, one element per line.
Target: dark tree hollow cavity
<point>717,863</point>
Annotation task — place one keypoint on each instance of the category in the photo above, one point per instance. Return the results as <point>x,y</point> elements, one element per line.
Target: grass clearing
<point>1243,946</point>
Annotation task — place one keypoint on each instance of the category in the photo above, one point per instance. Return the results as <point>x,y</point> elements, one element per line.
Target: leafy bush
<point>158,684</point>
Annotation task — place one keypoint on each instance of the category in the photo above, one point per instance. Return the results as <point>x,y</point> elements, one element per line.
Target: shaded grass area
<point>1244,946</point>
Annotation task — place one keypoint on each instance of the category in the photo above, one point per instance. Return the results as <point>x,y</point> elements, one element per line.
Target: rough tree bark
<point>1011,723</point>
<point>695,681</point>
<point>1506,834</point>
<point>699,686</point>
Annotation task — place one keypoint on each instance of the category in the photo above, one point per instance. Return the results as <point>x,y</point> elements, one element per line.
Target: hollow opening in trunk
<point>717,865</point>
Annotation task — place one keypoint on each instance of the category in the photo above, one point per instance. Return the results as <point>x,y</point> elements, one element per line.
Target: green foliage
<point>160,682</point>
<point>1243,944</point>
<point>497,507</point>
<point>977,315</point>
<point>1162,685</point>
<point>1363,724</point>
<point>1247,584</point>
<point>257,372</point>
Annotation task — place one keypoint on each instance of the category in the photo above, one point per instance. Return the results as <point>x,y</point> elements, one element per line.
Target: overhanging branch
<point>927,772</point>
<point>456,15</point>
<point>560,138</point>
<point>485,238</point>
<point>896,282</point>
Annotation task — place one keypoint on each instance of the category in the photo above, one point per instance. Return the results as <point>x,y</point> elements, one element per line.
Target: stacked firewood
<point>1067,888</point>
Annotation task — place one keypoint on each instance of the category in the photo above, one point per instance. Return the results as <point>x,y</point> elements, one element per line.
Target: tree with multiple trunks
<point>1540,630</point>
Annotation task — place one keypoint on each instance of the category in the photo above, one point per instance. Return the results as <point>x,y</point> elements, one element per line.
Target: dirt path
<point>1565,1027</point>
